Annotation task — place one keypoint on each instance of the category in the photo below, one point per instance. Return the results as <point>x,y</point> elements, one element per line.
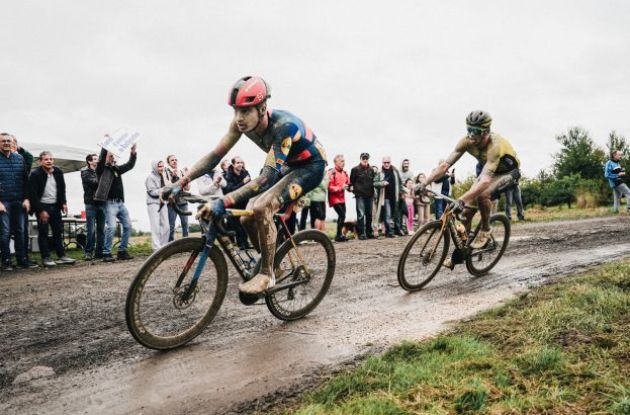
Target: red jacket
<point>337,180</point>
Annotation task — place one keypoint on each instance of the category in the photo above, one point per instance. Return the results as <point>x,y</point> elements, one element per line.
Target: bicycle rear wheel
<point>157,315</point>
<point>310,267</point>
<point>423,256</point>
<point>481,261</point>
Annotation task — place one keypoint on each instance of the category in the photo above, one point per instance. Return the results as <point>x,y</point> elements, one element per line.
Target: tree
<point>559,191</point>
<point>578,155</point>
<point>462,186</point>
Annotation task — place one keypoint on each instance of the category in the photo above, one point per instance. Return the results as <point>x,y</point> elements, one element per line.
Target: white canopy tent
<point>67,158</point>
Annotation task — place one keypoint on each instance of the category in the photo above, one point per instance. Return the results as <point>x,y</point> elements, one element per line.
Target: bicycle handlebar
<point>191,198</point>
<point>441,196</point>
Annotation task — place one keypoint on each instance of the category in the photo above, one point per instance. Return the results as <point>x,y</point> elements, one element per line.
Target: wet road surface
<point>71,319</point>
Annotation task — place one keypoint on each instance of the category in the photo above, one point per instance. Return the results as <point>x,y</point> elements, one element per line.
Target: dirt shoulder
<point>72,320</point>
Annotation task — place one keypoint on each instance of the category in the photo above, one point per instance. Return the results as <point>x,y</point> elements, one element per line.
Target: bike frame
<point>447,222</point>
<point>216,232</point>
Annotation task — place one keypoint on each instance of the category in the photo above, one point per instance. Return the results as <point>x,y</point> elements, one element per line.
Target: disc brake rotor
<point>178,298</point>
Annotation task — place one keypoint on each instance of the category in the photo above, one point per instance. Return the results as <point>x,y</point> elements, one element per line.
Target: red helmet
<point>248,91</point>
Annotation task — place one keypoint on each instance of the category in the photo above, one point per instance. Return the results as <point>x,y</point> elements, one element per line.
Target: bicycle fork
<point>203,258</point>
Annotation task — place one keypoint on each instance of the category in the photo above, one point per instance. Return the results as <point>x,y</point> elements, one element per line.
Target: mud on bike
<point>424,255</point>
<point>179,289</point>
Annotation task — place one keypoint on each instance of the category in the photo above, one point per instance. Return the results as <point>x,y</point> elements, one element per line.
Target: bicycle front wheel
<point>423,256</point>
<point>481,261</point>
<point>307,269</point>
<point>159,313</point>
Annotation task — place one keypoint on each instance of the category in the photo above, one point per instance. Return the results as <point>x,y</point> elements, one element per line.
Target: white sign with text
<point>119,142</point>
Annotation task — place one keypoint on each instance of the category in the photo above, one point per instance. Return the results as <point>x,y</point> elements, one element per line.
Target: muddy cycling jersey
<point>288,140</point>
<point>291,147</point>
<point>498,157</point>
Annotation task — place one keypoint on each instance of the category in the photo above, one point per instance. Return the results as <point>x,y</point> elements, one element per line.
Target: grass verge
<point>555,213</point>
<point>561,349</point>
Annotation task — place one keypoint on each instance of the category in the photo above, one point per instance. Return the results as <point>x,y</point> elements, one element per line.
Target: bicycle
<point>426,251</point>
<point>168,305</point>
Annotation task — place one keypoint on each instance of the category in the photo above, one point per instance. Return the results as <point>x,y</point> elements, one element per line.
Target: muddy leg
<point>264,208</point>
<point>249,223</point>
<point>485,207</point>
<point>467,216</point>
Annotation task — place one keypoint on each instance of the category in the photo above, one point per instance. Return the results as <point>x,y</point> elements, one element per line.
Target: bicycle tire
<point>410,270</point>
<point>497,222</point>
<point>167,313</point>
<point>315,246</point>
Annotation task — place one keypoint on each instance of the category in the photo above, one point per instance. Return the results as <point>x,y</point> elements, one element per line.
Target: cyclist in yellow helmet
<point>500,171</point>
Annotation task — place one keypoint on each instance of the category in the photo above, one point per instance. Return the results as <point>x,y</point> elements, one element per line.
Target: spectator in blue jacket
<point>615,175</point>
<point>28,159</point>
<point>443,186</point>
<point>14,203</point>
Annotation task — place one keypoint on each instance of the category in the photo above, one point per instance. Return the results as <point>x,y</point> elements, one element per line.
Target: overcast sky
<point>392,78</point>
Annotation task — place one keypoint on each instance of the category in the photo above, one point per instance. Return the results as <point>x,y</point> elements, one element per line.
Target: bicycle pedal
<point>249,299</point>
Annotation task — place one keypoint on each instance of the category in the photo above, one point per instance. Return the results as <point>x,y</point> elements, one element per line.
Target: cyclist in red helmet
<point>294,165</point>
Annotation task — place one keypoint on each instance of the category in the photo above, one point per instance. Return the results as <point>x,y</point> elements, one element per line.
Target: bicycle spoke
<point>305,266</point>
<point>423,257</point>
<point>175,295</point>
<point>484,259</point>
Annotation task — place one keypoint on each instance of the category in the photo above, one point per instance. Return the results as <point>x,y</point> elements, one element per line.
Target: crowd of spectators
<point>385,201</point>
<point>41,192</point>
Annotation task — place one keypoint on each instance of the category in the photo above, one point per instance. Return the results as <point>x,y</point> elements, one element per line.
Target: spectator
<point>158,217</point>
<point>513,194</point>
<point>28,157</point>
<point>14,203</point>
<point>423,202</point>
<point>110,190</point>
<point>317,208</point>
<point>173,174</point>
<point>48,194</point>
<point>28,160</point>
<point>94,211</point>
<point>289,217</point>
<point>405,174</point>
<point>225,165</point>
<point>615,175</point>
<point>362,178</point>
<point>390,182</point>
<point>236,177</point>
<point>409,201</point>
<point>443,186</point>
<point>303,206</point>
<point>211,184</point>
<point>338,181</point>
<point>478,168</point>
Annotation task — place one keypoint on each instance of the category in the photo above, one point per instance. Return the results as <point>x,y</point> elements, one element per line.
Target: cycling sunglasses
<point>472,131</point>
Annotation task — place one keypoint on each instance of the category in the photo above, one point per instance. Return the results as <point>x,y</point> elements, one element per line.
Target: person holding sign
<point>110,190</point>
